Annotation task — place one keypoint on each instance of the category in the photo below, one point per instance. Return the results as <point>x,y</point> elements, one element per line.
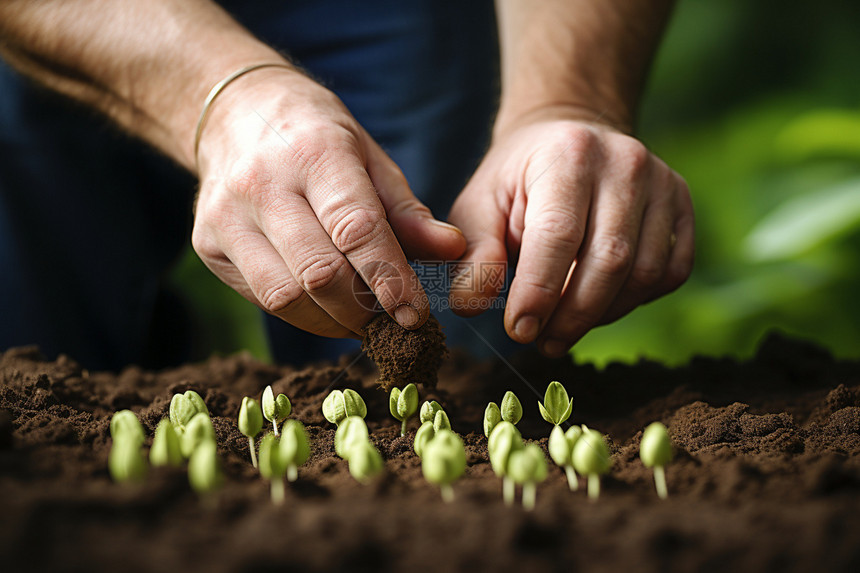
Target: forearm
<point>147,64</point>
<point>590,57</point>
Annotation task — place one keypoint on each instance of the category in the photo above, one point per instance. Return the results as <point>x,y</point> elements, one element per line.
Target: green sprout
<point>511,409</point>
<point>655,449</point>
<point>403,404</point>
<point>183,407</point>
<point>556,407</point>
<point>294,447</point>
<point>591,458</point>
<point>492,416</point>
<point>197,431</point>
<point>444,461</point>
<point>560,448</point>
<point>528,467</point>
<point>166,449</point>
<point>125,424</point>
<point>351,431</point>
<point>424,434</point>
<point>275,409</point>
<point>441,421</point>
<point>339,405</point>
<point>273,467</point>
<point>503,440</point>
<point>365,461</point>
<point>250,423</point>
<point>428,411</point>
<point>204,474</point>
<point>126,462</point>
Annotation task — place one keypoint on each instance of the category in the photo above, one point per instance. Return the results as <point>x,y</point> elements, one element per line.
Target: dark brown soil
<point>403,356</point>
<point>767,476</point>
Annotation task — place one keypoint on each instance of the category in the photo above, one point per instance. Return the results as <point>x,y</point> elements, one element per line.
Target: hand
<point>299,209</point>
<point>573,199</point>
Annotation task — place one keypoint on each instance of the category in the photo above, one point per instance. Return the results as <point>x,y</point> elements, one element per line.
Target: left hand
<point>569,198</point>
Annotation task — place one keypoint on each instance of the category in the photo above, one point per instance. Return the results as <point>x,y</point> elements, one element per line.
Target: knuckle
<point>647,274</point>
<point>560,228</point>
<point>204,244</point>
<point>315,143</point>
<point>356,228</point>
<point>278,298</point>
<point>677,274</point>
<point>250,178</point>
<point>612,255</point>
<point>319,272</point>
<point>633,156</point>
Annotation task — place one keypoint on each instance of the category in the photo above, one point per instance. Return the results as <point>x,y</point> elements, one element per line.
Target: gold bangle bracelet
<point>219,87</point>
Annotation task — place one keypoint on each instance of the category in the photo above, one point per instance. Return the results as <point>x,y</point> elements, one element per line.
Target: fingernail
<point>526,328</point>
<point>406,316</point>
<point>555,348</point>
<point>446,226</point>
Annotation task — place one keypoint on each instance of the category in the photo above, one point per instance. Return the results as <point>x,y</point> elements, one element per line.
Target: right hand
<point>299,208</point>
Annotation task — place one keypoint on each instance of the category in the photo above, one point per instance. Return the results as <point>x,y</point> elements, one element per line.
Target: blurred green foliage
<point>757,105</point>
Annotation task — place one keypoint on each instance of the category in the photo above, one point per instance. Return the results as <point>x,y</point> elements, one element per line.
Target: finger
<point>317,266</point>
<point>554,227</point>
<point>479,276</point>
<point>656,242</point>
<point>345,202</point>
<point>251,260</point>
<point>603,264</point>
<point>420,234</point>
<point>684,251</point>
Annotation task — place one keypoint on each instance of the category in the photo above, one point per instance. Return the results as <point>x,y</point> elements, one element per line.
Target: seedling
<point>655,449</point>
<point>250,423</point>
<point>428,411</point>
<point>124,424</point>
<point>528,467</point>
<point>444,461</point>
<point>560,446</point>
<point>204,475</point>
<point>275,409</point>
<point>591,458</point>
<point>365,461</point>
<point>166,449</point>
<point>557,406</point>
<point>183,407</point>
<point>351,431</point>
<point>511,408</point>
<point>492,416</point>
<point>125,461</point>
<point>294,447</point>
<point>424,434</point>
<point>504,439</point>
<point>338,405</point>
<point>403,404</point>
<point>273,467</point>
<point>197,431</point>
<point>441,421</point>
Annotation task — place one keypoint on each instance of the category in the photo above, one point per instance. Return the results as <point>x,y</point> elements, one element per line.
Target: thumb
<point>420,234</point>
<point>480,275</point>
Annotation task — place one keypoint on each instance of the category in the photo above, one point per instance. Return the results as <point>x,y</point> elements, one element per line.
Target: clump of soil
<point>766,475</point>
<point>403,356</point>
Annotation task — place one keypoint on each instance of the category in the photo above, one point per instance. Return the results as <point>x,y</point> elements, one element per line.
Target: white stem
<point>572,478</point>
<point>275,424</point>
<point>277,490</point>
<point>509,491</point>
<point>403,428</point>
<point>593,486</point>
<point>292,473</point>
<point>447,492</point>
<point>529,495</point>
<point>660,482</point>
<point>253,451</point>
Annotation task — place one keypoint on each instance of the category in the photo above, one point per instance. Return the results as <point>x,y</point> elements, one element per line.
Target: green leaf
<point>204,473</point>
<point>544,414</point>
<point>527,465</point>
<point>125,424</point>
<point>365,462</point>
<point>250,417</point>
<point>333,407</point>
<point>393,397</point>
<point>407,403</point>
<point>492,416</point>
<point>591,454</point>
<point>428,411</point>
<point>655,448</point>
<point>441,421</point>
<point>197,431</point>
<point>512,410</point>
<point>424,434</point>
<point>350,432</point>
<point>294,445</point>
<point>125,461</point>
<point>353,404</point>
<point>444,459</point>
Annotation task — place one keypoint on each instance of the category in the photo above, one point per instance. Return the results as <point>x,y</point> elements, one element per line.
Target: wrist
<point>512,118</point>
